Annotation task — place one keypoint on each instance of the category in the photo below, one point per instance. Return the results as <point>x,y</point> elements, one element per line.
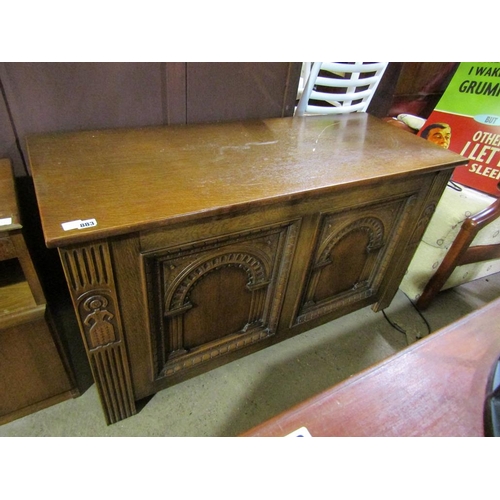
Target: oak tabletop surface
<point>132,179</point>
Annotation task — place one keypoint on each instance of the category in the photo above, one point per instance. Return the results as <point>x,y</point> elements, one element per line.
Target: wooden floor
<point>436,387</point>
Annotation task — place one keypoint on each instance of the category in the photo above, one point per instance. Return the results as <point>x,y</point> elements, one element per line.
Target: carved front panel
<point>216,296</point>
<point>350,257</point>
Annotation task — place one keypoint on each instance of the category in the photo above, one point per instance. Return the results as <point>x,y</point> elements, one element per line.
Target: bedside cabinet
<point>34,372</point>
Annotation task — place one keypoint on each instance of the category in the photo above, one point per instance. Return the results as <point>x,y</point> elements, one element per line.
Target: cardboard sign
<point>467,121</point>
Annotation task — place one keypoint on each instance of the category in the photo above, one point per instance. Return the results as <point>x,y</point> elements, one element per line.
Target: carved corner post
<point>89,275</point>
<point>437,186</point>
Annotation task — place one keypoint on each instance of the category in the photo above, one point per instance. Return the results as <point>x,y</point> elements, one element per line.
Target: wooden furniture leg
<point>461,253</point>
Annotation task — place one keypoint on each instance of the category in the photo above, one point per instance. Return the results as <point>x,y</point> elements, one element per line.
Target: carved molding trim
<point>422,224</point>
<point>190,360</point>
<point>372,226</point>
<point>331,306</point>
<point>87,266</point>
<point>97,312</point>
<point>245,258</point>
<point>437,187</point>
<point>110,370</point>
<point>89,275</point>
<point>438,184</point>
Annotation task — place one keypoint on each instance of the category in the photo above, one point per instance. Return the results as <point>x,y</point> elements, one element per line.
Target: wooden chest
<point>185,247</point>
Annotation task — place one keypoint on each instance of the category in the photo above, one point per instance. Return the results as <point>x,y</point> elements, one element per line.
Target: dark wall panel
<point>238,91</point>
<point>47,97</point>
<point>69,96</point>
<point>8,145</point>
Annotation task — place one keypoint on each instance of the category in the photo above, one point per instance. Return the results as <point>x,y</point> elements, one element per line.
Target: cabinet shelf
<point>15,291</point>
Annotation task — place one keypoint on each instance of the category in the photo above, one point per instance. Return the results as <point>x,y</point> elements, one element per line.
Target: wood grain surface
<point>436,387</point>
<point>128,179</point>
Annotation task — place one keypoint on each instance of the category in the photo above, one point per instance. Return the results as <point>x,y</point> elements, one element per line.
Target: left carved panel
<point>89,275</point>
<point>216,296</point>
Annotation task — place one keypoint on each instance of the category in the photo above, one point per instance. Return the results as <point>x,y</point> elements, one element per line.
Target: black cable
<point>396,326</point>
<point>399,329</point>
<point>454,185</point>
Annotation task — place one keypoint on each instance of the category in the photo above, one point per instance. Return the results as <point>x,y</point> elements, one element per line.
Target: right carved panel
<point>350,257</point>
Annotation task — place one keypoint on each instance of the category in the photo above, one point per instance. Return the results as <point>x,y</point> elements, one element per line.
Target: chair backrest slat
<point>360,81</point>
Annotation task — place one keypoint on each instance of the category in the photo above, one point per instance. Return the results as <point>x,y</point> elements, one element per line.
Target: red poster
<point>467,121</point>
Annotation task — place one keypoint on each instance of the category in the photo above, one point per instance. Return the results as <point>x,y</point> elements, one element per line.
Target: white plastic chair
<point>304,76</point>
<point>339,87</point>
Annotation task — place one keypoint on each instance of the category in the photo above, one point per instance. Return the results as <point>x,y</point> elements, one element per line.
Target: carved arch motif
<point>372,226</point>
<point>178,297</point>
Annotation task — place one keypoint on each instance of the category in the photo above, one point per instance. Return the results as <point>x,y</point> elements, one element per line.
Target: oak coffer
<point>187,246</point>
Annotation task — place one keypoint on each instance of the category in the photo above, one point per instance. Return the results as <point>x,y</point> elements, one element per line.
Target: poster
<point>466,120</point>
